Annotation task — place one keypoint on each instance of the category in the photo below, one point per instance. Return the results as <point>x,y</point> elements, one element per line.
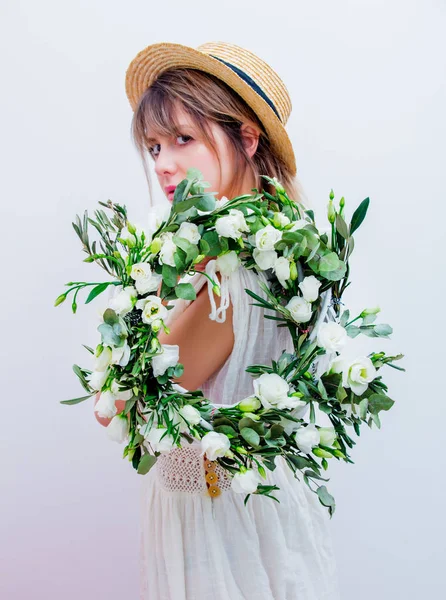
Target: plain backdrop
<point>367,82</point>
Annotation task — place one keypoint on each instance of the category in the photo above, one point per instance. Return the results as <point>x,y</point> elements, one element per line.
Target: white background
<point>367,81</point>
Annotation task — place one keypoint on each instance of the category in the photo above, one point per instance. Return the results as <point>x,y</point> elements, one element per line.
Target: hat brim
<point>156,58</point>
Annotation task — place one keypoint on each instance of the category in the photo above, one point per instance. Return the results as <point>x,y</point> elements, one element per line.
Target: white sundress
<point>195,547</point>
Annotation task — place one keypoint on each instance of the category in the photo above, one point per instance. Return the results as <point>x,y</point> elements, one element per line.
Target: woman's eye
<point>153,151</point>
<point>187,137</point>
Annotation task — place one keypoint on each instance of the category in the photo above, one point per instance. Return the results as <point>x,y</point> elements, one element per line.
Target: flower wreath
<point>308,273</point>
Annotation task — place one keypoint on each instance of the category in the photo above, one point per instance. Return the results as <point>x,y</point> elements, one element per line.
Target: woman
<point>222,110</point>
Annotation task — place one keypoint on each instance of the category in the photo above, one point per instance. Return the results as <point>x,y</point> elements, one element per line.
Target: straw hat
<point>251,77</point>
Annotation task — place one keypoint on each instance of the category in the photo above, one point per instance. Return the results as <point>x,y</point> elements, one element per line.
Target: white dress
<point>194,547</point>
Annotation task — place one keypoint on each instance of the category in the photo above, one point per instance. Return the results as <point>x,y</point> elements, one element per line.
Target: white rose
<point>282,270</point>
<point>189,232</point>
<point>120,394</point>
<point>105,406</point>
<point>299,224</point>
<point>168,249</point>
<point>310,288</point>
<point>327,436</point>
<point>152,309</point>
<point>232,225</point>
<point>271,389</point>
<point>331,336</point>
<point>215,444</point>
<point>189,414</point>
<point>337,365</point>
<point>228,263</point>
<point>96,379</point>
<point>121,355</point>
<point>267,237</point>
<point>300,309</point>
<point>168,357</point>
<point>307,437</point>
<point>288,402</point>
<point>123,302</point>
<point>245,483</point>
<point>358,374</point>
<point>298,412</point>
<point>145,279</point>
<point>154,438</point>
<point>118,428</point>
<point>103,360</point>
<point>265,259</point>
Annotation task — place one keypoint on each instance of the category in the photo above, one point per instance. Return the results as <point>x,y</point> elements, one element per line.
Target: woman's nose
<point>165,162</point>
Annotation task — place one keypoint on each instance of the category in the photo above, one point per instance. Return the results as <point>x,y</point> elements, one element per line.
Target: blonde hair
<point>205,98</point>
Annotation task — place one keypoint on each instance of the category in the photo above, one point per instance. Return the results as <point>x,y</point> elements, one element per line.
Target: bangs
<point>159,115</point>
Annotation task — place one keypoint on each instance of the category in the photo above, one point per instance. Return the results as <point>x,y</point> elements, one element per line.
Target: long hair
<point>205,98</point>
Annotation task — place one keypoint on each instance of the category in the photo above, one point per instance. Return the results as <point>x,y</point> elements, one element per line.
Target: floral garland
<point>308,273</point>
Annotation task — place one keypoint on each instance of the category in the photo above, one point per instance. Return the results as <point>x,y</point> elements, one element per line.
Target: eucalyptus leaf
<point>378,402</point>
<point>382,329</point>
<point>326,498</point>
<point>170,275</point>
<point>251,436</point>
<point>146,463</point>
<point>185,291</point>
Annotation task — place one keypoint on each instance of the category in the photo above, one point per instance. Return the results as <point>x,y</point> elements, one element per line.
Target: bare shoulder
<point>204,344</point>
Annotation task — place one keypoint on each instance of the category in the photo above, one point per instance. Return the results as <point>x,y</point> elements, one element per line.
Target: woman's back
<point>194,546</point>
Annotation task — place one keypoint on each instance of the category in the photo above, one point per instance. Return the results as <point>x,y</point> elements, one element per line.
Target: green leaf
<point>185,291</point>
<point>258,426</point>
<point>207,202</point>
<point>170,275</point>
<point>276,431</point>
<point>76,400</point>
<point>108,336</point>
<point>378,402</point>
<point>226,429</point>
<point>341,226</point>
<point>382,329</point>
<point>322,390</point>
<point>325,498</point>
<point>359,215</point>
<point>251,436</point>
<point>110,317</point>
<point>344,318</point>
<point>180,191</point>
<point>329,262</point>
<point>363,405</point>
<point>212,238</point>
<point>146,463</point>
<point>96,291</point>
<point>300,462</point>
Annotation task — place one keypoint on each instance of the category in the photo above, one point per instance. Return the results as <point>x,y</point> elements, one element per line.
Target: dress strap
<point>217,314</point>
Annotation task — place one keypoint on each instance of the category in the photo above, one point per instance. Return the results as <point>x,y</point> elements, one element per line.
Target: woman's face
<point>173,157</point>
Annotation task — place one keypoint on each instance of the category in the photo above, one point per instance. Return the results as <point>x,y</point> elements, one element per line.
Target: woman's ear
<point>250,137</point>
